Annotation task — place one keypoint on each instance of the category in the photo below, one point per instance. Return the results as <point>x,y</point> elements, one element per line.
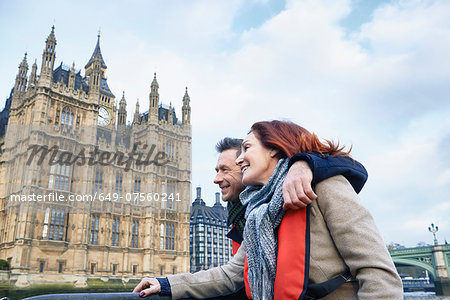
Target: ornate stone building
<point>82,194</point>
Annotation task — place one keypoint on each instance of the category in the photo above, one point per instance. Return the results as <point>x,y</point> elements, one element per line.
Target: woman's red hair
<point>290,139</point>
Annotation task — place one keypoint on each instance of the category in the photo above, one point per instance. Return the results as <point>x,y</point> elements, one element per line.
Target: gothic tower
<point>122,113</point>
<point>33,78</point>
<point>170,114</point>
<point>48,59</point>
<point>137,115</point>
<point>20,85</point>
<point>99,92</point>
<point>71,83</point>
<point>186,109</point>
<point>94,70</point>
<point>154,102</point>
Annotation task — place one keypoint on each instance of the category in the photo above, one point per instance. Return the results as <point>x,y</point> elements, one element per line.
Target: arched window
<point>59,177</point>
<point>115,231</point>
<point>169,150</point>
<point>167,236</point>
<point>134,234</point>
<point>55,224</point>
<point>161,235</point>
<point>118,189</point>
<point>67,117</point>
<point>94,230</point>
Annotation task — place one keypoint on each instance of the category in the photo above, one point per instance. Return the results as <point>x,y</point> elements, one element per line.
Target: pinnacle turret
<point>122,113</point>
<point>95,70</point>
<point>155,84</point>
<point>154,101</point>
<point>186,109</point>
<point>33,80</point>
<point>123,102</point>
<point>96,55</point>
<point>170,114</point>
<point>24,63</point>
<point>71,83</point>
<point>137,115</point>
<point>21,78</point>
<point>51,39</point>
<point>48,59</point>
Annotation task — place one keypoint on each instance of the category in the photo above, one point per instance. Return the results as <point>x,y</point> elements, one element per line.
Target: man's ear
<point>274,152</point>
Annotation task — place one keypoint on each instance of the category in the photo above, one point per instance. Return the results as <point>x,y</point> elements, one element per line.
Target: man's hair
<point>229,143</point>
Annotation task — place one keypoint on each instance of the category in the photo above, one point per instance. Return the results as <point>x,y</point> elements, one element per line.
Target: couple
<point>294,254</point>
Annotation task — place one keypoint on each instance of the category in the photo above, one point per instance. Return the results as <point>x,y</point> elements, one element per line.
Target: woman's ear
<point>274,152</point>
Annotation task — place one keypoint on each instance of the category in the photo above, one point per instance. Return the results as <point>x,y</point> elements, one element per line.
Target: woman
<point>343,235</point>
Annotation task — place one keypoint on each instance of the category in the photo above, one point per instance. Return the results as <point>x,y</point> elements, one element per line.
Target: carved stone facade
<point>82,194</point>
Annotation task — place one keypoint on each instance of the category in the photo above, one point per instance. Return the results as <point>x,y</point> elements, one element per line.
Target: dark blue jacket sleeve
<point>165,287</point>
<point>325,166</point>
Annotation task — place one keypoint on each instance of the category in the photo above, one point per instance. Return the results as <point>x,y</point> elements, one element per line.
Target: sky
<point>373,75</point>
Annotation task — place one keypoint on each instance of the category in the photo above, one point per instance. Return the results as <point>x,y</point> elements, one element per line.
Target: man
<point>306,169</point>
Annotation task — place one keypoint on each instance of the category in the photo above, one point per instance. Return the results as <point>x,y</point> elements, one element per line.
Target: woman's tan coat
<point>343,234</point>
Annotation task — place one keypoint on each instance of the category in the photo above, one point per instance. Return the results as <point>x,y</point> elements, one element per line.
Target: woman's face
<point>257,162</point>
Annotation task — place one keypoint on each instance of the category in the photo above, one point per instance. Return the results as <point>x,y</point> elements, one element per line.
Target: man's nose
<point>218,179</point>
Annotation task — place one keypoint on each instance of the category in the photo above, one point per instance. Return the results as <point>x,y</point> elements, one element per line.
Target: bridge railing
<point>101,296</point>
<point>417,250</point>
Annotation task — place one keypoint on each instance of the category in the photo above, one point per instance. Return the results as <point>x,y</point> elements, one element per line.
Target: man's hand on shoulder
<point>297,190</point>
<point>147,286</point>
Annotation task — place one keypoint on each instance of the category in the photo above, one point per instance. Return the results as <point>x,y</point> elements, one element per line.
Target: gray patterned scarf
<point>264,213</point>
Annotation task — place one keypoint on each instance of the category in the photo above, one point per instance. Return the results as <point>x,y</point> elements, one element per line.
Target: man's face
<point>229,176</point>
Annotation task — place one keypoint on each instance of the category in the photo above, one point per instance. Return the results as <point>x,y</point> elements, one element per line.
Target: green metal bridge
<point>435,259</point>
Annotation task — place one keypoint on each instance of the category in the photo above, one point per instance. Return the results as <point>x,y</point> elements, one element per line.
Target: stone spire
<point>186,109</point>
<point>122,114</point>
<point>21,78</point>
<point>154,102</point>
<point>95,70</point>
<point>71,83</point>
<point>48,59</point>
<point>170,114</point>
<point>137,116</point>
<point>32,82</point>
<point>96,55</point>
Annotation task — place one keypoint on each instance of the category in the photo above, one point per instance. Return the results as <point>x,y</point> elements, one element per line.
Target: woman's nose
<point>240,159</point>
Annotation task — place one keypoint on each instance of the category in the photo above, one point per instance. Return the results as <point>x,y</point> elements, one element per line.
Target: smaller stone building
<point>209,244</point>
